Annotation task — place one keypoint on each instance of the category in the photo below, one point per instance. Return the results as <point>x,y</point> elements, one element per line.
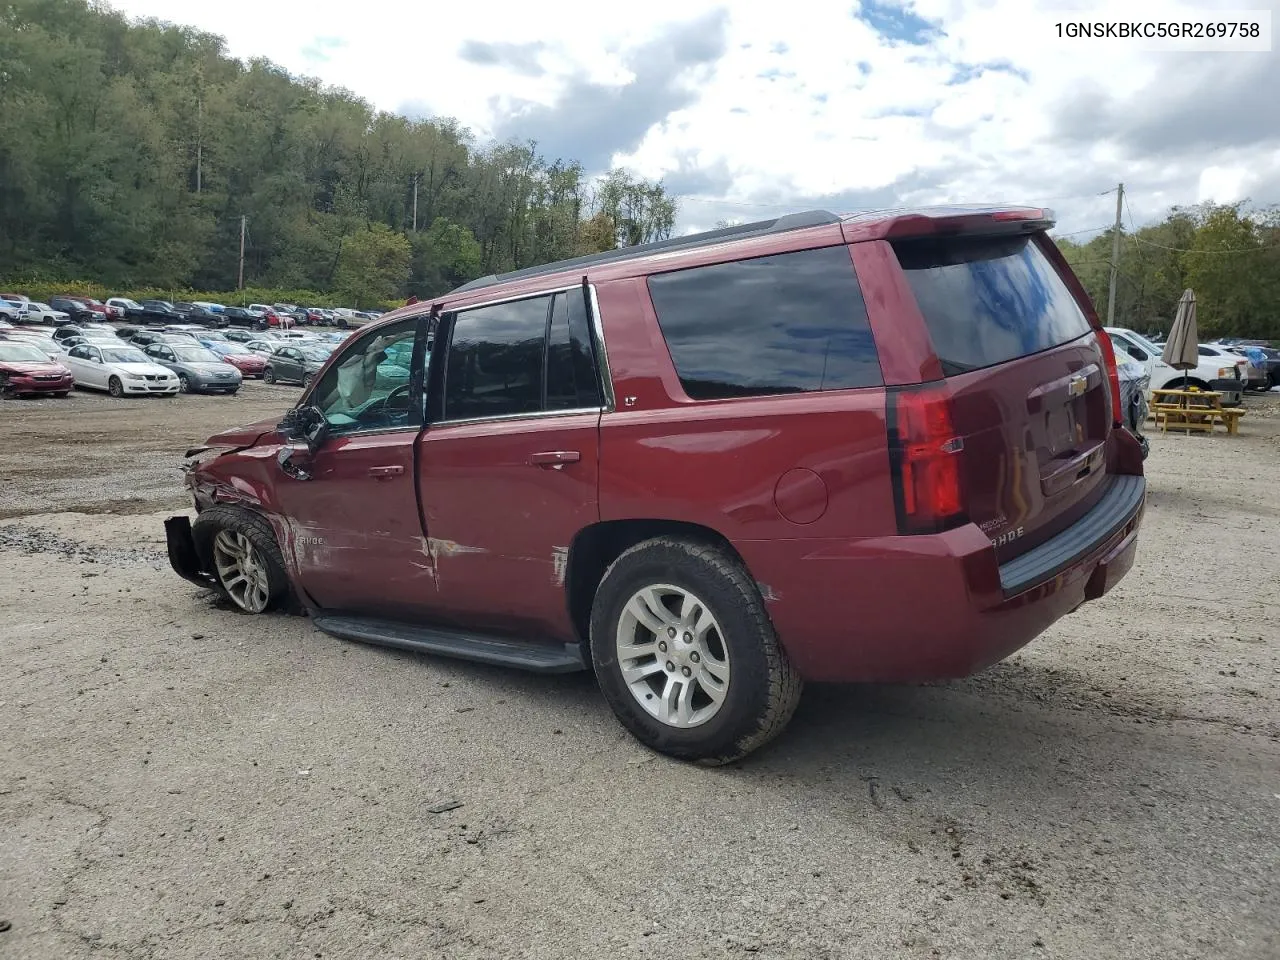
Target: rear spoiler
<point>995,223</point>
<point>947,221</point>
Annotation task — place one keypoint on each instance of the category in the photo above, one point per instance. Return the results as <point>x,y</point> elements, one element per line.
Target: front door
<point>352,511</point>
<point>508,470</point>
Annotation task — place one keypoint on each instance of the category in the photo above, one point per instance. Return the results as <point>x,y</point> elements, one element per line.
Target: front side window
<point>363,391</point>
<point>787,323</point>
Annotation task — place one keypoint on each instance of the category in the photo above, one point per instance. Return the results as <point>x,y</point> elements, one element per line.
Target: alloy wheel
<point>673,656</point>
<point>241,571</point>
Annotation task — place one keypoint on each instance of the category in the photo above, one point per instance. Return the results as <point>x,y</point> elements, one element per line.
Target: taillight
<point>1113,375</point>
<point>924,455</point>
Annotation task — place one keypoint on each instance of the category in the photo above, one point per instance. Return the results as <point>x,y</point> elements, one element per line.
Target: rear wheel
<point>115,387</point>
<point>268,375</point>
<point>686,655</point>
<point>240,549</point>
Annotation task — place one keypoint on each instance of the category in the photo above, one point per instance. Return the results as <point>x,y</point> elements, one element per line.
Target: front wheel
<point>115,387</point>
<point>307,378</point>
<point>184,385</point>
<point>686,655</point>
<point>240,549</point>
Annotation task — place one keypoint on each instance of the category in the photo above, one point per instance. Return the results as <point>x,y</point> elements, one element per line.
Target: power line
<point>1161,246</point>
<point>1074,233</point>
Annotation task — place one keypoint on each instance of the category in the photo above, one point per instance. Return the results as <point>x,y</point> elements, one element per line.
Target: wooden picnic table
<point>1189,410</point>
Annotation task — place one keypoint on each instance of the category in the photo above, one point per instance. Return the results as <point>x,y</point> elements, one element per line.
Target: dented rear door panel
<point>501,512</point>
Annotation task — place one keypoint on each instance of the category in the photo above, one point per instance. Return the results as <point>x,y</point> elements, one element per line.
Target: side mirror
<point>306,425</point>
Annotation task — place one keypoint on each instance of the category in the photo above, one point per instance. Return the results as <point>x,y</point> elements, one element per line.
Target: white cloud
<point>807,100</point>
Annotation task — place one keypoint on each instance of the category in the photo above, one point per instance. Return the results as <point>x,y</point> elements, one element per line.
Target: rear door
<point>1028,379</point>
<point>508,471</point>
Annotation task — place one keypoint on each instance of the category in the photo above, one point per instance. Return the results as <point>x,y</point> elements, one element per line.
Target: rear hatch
<point>1028,378</point>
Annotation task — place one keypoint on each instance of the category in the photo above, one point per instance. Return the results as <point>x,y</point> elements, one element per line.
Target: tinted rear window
<point>987,300</point>
<point>789,323</point>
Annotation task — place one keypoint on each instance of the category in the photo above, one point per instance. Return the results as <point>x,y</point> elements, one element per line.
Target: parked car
<point>242,336</point>
<point>1253,377</point>
<point>119,370</point>
<point>294,363</point>
<point>67,331</point>
<point>15,297</point>
<point>42,313</point>
<point>264,348</point>
<point>123,307</point>
<point>886,447</point>
<point>239,356</point>
<point>25,370</point>
<point>188,331</point>
<point>47,345</point>
<point>1135,385</point>
<point>199,370</point>
<point>196,313</point>
<point>12,311</point>
<point>156,312</point>
<point>76,310</point>
<point>345,317</point>
<point>1265,358</point>
<point>241,317</point>
<point>102,312</point>
<point>1209,375</point>
<point>144,338</point>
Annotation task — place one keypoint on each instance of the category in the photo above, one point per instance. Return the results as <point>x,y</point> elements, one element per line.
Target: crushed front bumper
<point>183,556</point>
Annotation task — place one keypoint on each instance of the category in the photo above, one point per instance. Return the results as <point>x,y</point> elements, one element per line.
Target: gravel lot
<point>179,781</point>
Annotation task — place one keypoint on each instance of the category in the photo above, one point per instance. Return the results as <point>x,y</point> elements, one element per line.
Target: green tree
<point>373,265</point>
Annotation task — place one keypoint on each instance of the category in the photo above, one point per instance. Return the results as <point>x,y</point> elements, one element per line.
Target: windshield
<point>21,353</point>
<point>129,304</point>
<point>317,354</point>
<point>124,356</point>
<point>194,354</point>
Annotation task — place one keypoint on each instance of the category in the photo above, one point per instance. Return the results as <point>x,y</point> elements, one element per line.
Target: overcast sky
<point>756,108</point>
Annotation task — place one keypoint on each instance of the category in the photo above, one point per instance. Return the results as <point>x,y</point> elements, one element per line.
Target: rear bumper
<point>934,607</point>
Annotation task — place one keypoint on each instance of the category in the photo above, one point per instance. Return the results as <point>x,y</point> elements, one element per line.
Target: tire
<point>268,375</point>
<point>184,385</point>
<point>115,387</point>
<point>307,378</point>
<point>62,394</point>
<point>762,687</point>
<point>216,532</point>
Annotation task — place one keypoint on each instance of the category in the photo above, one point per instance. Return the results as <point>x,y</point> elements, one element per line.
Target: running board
<point>523,655</point>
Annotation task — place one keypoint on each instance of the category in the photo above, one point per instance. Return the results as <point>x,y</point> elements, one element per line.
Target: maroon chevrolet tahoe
<point>885,447</point>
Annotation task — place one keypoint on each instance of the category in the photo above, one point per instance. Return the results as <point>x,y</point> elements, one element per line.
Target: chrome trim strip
<point>448,308</point>
<point>597,329</point>
<point>535,415</point>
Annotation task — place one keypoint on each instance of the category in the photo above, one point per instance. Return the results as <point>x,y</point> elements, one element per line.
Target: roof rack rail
<point>743,231</point>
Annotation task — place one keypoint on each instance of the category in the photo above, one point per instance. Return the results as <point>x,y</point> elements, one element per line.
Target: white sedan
<point>119,370</point>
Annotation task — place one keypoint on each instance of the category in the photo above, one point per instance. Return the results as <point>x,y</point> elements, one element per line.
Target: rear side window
<point>987,300</point>
<point>788,323</point>
<point>571,369</point>
<point>495,360</point>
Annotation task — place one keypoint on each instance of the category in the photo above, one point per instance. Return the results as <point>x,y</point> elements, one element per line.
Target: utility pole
<point>1115,258</point>
<point>415,203</point>
<point>240,282</point>
<point>199,140</point>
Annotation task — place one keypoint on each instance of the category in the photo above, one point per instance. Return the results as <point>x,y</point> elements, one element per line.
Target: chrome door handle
<point>554,458</point>
<point>384,473</point>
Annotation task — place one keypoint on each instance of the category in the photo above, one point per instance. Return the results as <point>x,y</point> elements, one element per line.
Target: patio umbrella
<point>1182,349</point>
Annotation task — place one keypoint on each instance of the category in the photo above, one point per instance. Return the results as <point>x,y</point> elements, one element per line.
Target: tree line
<point>1228,255</point>
<point>130,151</point>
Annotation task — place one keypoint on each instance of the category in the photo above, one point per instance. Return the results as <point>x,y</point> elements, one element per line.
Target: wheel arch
<point>595,547</point>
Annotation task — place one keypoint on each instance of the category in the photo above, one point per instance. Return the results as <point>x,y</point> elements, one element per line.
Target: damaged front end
<point>183,556</point>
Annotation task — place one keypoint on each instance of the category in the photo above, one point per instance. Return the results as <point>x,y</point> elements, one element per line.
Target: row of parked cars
<point>1228,366</point>
<point>18,308</point>
<point>135,360</point>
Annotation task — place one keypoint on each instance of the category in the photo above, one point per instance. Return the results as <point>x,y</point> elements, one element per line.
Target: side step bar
<point>532,656</point>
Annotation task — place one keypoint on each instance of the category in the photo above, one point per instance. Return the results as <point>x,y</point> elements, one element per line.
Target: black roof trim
<point>743,231</point>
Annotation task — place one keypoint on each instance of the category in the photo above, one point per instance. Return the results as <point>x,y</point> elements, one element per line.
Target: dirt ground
<point>179,781</point>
